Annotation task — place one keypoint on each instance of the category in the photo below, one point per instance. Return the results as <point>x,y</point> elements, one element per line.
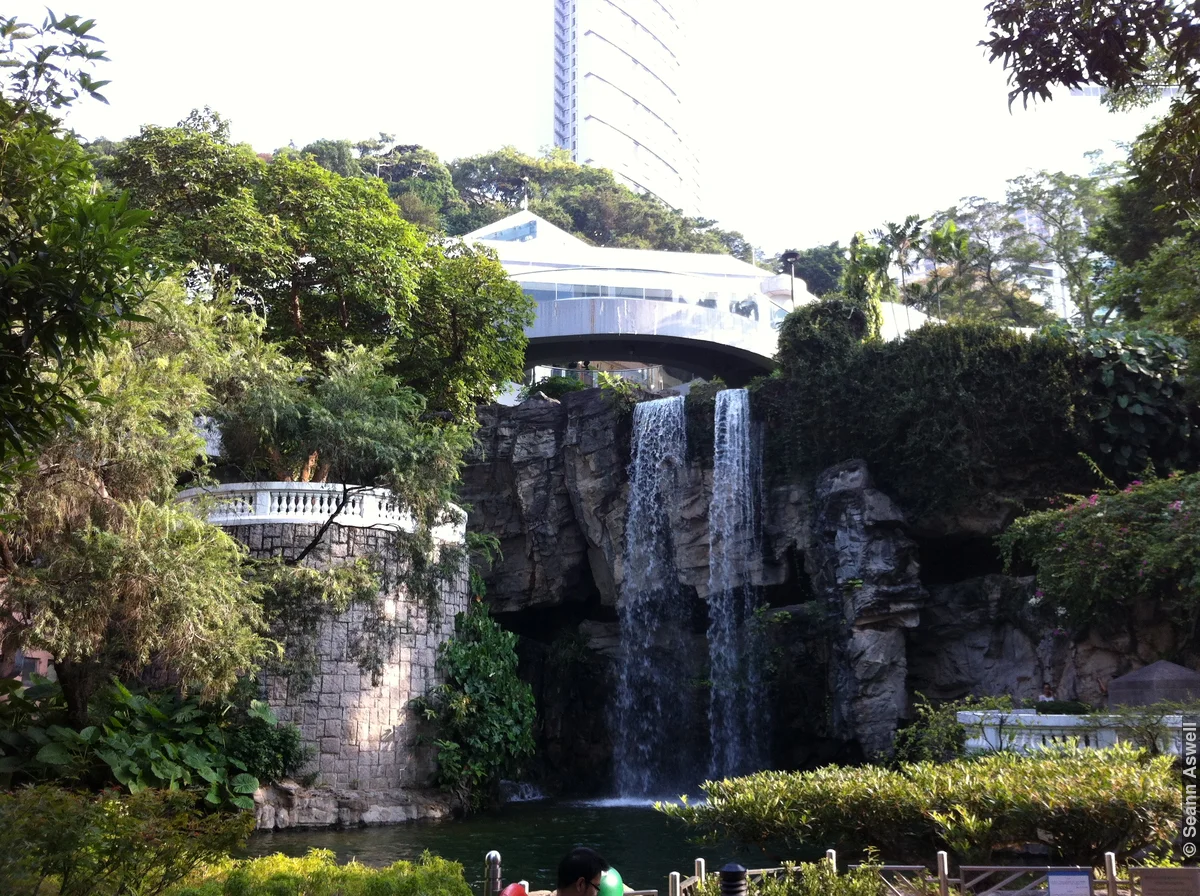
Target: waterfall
<point>736,716</point>
<point>653,614</point>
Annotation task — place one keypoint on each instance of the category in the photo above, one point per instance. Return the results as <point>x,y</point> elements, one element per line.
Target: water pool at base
<point>531,837</point>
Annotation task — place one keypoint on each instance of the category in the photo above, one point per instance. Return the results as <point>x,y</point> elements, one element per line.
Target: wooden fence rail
<point>972,880</point>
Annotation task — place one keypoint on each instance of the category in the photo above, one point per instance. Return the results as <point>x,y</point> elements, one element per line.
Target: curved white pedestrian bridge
<point>707,341</point>
<point>710,314</point>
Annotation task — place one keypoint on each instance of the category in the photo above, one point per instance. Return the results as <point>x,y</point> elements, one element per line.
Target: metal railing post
<point>831,858</point>
<point>943,871</point>
<point>733,880</point>
<point>1110,872</point>
<point>701,870</point>
<point>491,874</point>
<point>673,884</point>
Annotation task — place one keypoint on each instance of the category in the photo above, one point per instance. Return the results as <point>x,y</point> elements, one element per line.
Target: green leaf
<point>244,783</point>
<point>54,754</point>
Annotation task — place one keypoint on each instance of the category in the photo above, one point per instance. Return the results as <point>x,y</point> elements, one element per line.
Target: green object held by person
<point>611,883</point>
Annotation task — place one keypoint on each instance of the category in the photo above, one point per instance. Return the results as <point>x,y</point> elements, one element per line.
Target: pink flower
<point>1092,500</point>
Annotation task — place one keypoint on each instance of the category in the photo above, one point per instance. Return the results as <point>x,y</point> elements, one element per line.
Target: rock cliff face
<point>853,630</point>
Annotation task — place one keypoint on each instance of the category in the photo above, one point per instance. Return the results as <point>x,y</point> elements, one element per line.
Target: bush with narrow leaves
<point>1078,803</point>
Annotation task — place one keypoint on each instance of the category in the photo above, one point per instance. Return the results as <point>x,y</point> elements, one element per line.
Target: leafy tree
<point>1162,291</point>
<point>69,270</point>
<point>346,421</point>
<point>1112,43</point>
<point>337,156</point>
<point>351,259</point>
<point>329,259</point>
<point>985,267</point>
<point>1128,48</point>
<point>418,181</point>
<point>1137,214</point>
<point>98,565</point>
<point>466,331</point>
<point>901,242</point>
<point>1067,206</point>
<point>819,267</point>
<point>586,201</point>
<point>199,190</point>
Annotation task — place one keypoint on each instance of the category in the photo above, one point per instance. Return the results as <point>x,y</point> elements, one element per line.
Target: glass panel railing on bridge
<point>742,303</point>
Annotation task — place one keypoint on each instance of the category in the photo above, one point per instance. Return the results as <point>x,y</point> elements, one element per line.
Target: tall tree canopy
<point>819,267</point>
<point>69,270</point>
<point>97,565</point>
<point>474,191</point>
<point>1126,47</point>
<point>328,258</point>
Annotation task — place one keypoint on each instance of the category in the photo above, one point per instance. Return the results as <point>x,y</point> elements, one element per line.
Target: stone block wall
<point>364,736</point>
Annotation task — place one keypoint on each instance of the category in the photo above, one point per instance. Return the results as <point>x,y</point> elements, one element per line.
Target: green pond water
<point>531,838</point>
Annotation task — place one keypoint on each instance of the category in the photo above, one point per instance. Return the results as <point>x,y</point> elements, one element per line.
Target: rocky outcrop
<point>856,629</point>
<point>865,564</point>
<point>982,636</point>
<point>516,485</point>
<point>288,805</point>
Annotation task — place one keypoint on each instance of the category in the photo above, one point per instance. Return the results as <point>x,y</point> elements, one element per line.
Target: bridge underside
<point>705,359</point>
<point>702,340</point>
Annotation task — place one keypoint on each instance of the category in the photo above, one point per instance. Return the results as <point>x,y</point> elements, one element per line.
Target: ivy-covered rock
<point>959,415</point>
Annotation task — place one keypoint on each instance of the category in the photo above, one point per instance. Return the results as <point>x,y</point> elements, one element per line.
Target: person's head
<point>579,872</point>
<point>1047,690</point>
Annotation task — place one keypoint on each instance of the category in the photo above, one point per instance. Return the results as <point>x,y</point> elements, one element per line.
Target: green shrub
<point>821,337</point>
<point>935,734</point>
<point>318,874</point>
<point>484,713</point>
<point>1135,400</point>
<point>1080,803</point>
<point>270,751</point>
<point>1061,707</point>
<point>144,741</point>
<point>554,386</point>
<point>1098,558</point>
<point>94,845</point>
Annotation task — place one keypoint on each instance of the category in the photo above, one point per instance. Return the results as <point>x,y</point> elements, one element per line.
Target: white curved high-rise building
<point>620,90</point>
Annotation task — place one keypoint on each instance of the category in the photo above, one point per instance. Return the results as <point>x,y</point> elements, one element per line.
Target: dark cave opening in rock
<point>796,587</point>
<point>955,559</point>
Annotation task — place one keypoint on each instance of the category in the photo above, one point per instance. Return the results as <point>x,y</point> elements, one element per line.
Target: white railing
<point>1025,730</point>
<point>254,503</point>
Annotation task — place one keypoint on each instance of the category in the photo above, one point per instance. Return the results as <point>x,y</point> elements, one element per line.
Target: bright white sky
<point>814,119</point>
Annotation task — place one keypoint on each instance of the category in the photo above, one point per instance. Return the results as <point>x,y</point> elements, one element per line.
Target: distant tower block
<point>620,93</point>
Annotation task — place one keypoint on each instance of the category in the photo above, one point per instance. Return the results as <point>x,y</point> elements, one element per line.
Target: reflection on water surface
<point>531,837</point>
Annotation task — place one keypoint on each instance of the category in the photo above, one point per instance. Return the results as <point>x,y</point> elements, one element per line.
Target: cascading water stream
<point>653,615</point>
<point>736,714</point>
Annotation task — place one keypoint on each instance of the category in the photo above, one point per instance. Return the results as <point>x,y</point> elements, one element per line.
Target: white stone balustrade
<point>1024,730</point>
<point>252,503</point>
